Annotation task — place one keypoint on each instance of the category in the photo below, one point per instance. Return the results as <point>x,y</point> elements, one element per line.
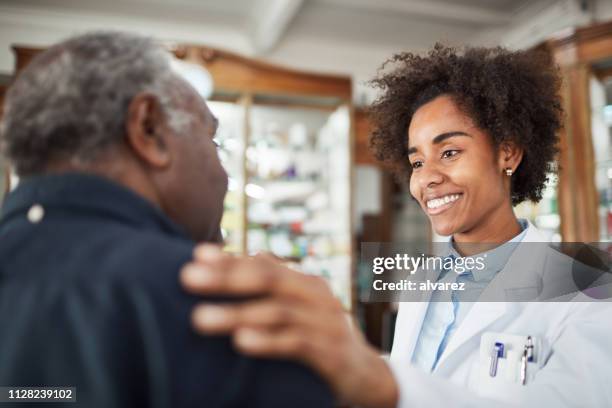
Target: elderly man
<point>119,178</point>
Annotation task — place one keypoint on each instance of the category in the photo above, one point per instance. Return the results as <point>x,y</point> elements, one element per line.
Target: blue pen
<point>496,353</point>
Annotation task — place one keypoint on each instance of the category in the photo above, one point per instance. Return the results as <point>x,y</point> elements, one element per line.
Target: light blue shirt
<point>447,309</point>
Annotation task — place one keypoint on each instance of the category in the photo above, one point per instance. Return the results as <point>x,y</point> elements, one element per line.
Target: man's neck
<point>123,172</point>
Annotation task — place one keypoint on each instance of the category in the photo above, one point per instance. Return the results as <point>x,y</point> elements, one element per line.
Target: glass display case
<point>298,189</point>
<point>289,184</point>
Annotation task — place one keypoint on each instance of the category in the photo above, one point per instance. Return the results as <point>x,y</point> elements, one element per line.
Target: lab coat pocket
<point>500,369</point>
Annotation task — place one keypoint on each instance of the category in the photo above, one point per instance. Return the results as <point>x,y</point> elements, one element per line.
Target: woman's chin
<point>444,228</point>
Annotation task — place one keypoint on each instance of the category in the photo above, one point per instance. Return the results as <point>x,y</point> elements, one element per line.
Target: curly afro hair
<point>512,95</point>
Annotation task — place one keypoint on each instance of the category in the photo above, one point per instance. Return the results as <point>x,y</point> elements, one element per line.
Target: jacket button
<point>36,213</point>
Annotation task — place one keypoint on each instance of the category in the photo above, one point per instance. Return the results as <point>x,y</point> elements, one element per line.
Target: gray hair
<point>71,101</point>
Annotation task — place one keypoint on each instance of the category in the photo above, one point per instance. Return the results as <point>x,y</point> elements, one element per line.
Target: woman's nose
<point>430,176</point>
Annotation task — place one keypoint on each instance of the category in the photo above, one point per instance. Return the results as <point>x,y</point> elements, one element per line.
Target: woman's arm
<point>289,315</point>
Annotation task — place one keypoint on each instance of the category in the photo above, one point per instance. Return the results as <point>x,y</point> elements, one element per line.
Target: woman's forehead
<point>437,117</point>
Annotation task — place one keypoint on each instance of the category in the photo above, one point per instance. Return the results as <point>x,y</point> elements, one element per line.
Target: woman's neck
<point>495,229</point>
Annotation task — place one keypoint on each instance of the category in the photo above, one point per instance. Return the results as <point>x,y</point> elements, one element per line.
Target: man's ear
<point>510,156</point>
<point>146,130</point>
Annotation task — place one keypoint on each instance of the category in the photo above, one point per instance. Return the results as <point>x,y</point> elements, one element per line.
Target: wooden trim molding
<point>583,190</point>
<point>581,35</point>
<point>603,74</point>
<point>582,45</point>
<point>567,179</point>
<point>363,153</point>
<point>23,55</point>
<point>235,73</point>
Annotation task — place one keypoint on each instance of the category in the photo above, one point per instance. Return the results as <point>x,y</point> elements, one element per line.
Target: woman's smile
<point>440,204</point>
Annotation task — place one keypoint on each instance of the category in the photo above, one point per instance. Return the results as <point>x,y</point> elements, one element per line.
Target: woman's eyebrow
<point>439,139</point>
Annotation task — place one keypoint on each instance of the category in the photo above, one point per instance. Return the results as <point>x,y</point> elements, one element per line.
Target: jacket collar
<point>520,278</point>
<point>483,314</point>
<point>81,193</point>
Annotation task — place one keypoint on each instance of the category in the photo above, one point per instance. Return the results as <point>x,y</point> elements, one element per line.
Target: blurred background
<point>288,81</point>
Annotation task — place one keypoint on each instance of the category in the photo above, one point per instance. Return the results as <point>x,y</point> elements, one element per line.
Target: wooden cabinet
<point>363,130</point>
<point>581,53</point>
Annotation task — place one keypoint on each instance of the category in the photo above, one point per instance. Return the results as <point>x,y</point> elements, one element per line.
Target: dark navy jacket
<point>90,298</point>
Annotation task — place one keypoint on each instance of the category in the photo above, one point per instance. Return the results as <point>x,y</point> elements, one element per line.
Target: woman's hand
<point>289,315</point>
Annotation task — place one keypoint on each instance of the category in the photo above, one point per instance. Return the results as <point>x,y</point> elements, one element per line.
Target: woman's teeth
<point>439,202</point>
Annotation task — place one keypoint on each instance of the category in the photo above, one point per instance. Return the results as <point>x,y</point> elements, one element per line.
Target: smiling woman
<point>512,96</point>
<point>459,177</point>
<point>474,134</point>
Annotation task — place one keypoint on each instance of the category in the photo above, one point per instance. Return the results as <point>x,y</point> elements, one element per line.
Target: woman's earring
<point>508,171</point>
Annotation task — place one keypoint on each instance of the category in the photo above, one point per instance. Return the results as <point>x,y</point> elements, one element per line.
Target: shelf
<point>290,195</point>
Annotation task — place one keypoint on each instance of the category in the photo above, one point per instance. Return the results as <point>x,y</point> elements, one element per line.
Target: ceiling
<point>351,37</point>
<point>268,22</point>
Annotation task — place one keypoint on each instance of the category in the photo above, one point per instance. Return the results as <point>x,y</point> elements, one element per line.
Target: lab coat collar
<point>411,316</point>
<point>519,278</point>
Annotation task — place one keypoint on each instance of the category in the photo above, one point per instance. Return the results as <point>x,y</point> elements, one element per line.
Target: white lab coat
<point>574,364</point>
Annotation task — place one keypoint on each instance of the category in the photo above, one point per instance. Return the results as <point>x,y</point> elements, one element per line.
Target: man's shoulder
<point>143,262</point>
<point>120,286</point>
<point>147,252</point>
<point>88,249</point>
<point>100,250</point>
<point>161,306</point>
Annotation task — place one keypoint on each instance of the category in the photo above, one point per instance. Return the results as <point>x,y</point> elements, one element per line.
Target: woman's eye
<point>416,164</point>
<point>449,153</point>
